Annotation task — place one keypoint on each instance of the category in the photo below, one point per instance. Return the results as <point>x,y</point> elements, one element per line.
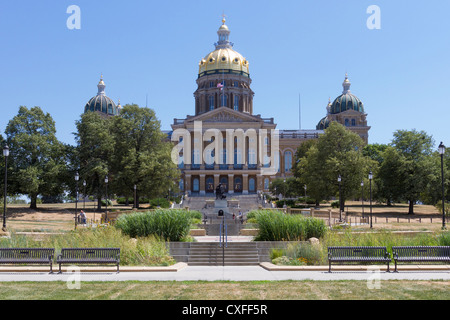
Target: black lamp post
<point>135,202</point>
<point>442,152</point>
<point>362,198</point>
<point>106,200</point>
<point>77,177</point>
<point>6,155</point>
<point>84,194</point>
<point>340,200</point>
<point>370,180</point>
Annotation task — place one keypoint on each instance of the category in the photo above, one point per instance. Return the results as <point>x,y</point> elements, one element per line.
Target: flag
<point>220,85</point>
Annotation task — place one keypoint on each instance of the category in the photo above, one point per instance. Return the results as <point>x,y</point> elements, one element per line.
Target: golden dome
<point>224,57</point>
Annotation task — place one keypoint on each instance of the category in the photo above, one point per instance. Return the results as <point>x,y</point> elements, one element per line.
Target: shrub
<point>444,239</point>
<point>277,226</point>
<point>149,251</point>
<point>168,224</point>
<point>160,202</point>
<point>305,251</point>
<point>335,204</point>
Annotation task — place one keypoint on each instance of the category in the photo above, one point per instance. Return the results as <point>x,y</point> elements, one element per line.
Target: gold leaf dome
<point>224,58</point>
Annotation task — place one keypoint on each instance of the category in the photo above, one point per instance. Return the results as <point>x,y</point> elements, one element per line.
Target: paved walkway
<point>266,271</point>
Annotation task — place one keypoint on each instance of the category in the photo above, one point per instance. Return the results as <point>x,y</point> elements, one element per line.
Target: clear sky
<point>400,72</point>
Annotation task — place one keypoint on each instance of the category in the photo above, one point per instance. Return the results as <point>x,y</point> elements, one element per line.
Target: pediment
<point>225,114</point>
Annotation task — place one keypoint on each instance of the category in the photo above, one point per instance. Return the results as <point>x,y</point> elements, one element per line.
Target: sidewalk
<point>264,272</point>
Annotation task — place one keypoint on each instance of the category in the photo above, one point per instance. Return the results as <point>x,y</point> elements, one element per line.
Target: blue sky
<point>400,72</point>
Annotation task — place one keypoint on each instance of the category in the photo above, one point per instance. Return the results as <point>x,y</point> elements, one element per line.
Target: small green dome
<point>346,102</point>
<point>323,123</point>
<point>101,103</point>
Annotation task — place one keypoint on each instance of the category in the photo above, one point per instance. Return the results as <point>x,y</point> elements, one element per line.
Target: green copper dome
<point>101,103</point>
<point>346,101</point>
<point>323,123</point>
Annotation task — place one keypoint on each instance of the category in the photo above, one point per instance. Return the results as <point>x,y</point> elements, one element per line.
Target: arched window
<point>353,122</point>
<point>346,122</point>
<point>196,185</point>
<point>287,161</point>
<point>211,102</point>
<point>236,103</point>
<point>223,100</point>
<point>251,185</point>
<point>181,185</point>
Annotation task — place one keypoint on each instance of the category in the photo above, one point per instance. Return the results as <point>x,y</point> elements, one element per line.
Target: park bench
<point>89,256</point>
<point>364,255</point>
<point>27,256</point>
<point>434,254</point>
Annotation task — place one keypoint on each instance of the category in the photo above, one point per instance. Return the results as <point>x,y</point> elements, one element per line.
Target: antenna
<point>299,113</point>
<point>146,100</point>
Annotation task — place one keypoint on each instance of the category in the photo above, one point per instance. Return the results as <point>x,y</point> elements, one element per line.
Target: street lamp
<point>77,177</point>
<point>362,197</point>
<point>6,155</point>
<point>340,201</point>
<point>84,194</point>
<point>135,202</point>
<point>370,180</point>
<point>442,152</point>
<point>106,200</point>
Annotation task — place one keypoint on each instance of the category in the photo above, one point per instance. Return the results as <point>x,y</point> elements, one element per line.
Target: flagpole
<point>299,114</point>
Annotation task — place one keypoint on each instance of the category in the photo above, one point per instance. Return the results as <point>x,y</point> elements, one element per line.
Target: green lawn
<point>223,290</point>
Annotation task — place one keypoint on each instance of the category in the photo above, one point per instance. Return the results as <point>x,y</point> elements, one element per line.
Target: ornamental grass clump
<point>167,224</point>
<point>277,226</point>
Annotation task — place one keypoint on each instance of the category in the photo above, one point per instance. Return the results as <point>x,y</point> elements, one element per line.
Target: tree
<point>95,148</point>
<point>36,155</point>
<point>142,154</point>
<point>408,166</point>
<point>337,152</point>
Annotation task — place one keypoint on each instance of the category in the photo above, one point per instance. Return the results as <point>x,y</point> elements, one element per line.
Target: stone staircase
<point>211,254</point>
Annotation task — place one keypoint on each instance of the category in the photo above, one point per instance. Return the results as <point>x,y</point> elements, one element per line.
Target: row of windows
<point>212,84</point>
<point>209,184</point>
<point>347,122</point>
<point>223,102</point>
<point>238,161</point>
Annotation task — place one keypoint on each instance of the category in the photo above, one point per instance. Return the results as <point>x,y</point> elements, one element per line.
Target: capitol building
<point>224,141</point>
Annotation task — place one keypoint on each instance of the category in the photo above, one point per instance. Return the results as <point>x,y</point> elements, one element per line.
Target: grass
<point>143,251</point>
<point>224,290</point>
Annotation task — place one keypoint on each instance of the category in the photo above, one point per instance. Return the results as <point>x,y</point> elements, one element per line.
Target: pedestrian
<point>83,217</point>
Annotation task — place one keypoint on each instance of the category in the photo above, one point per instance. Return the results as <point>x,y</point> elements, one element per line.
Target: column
<point>202,185</point>
<point>259,183</point>
<point>230,183</point>
<point>245,183</point>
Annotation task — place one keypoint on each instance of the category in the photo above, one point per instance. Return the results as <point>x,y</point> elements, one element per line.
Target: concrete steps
<point>211,254</point>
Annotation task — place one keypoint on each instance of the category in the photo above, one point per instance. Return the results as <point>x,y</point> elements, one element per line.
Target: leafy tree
<point>36,155</point>
<point>408,166</point>
<point>95,148</point>
<point>338,152</point>
<point>141,155</point>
